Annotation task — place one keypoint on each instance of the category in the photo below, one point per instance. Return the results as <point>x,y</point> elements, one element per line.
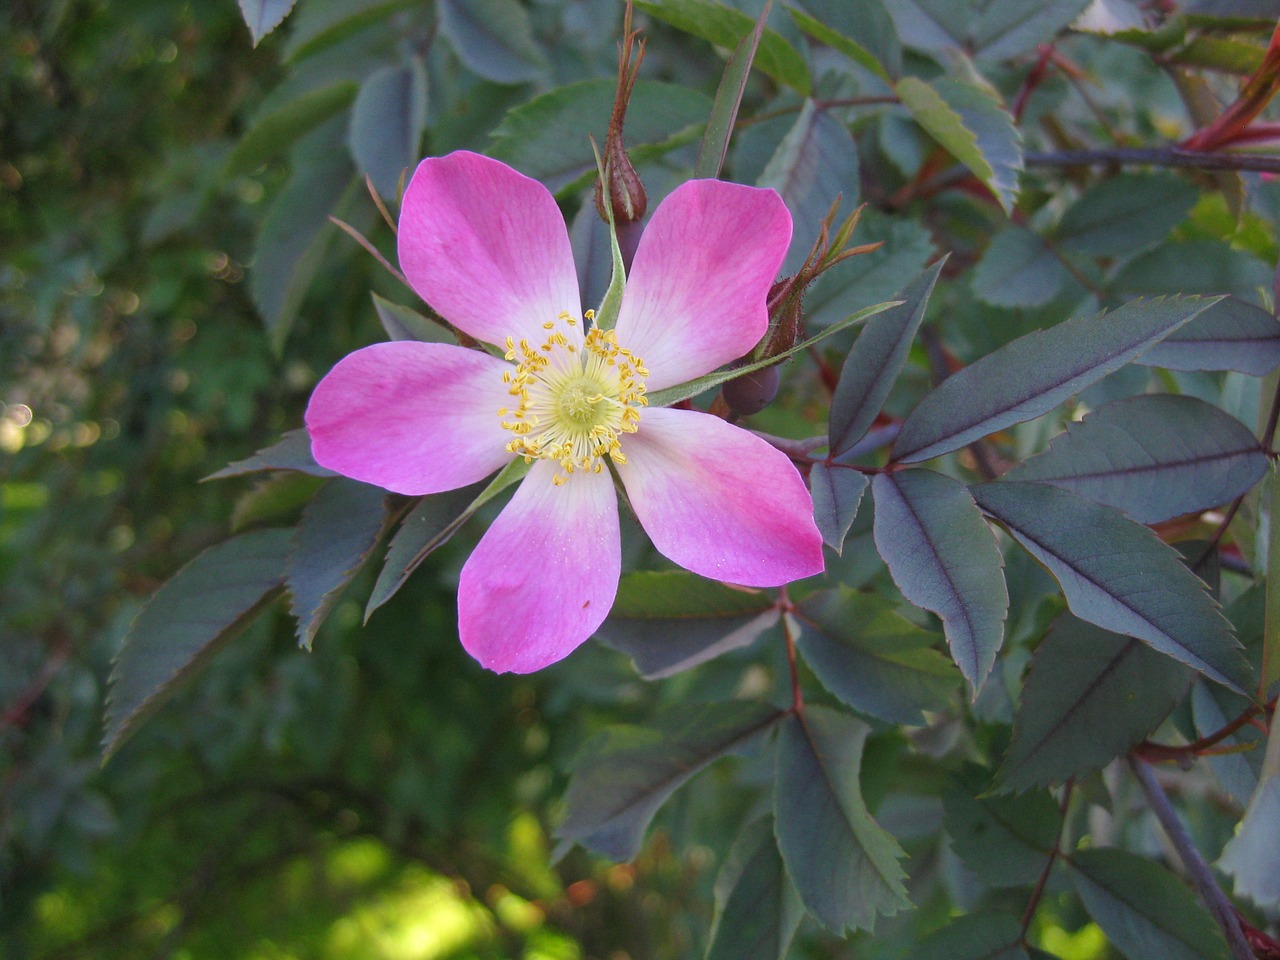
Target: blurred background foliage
<point>170,291</point>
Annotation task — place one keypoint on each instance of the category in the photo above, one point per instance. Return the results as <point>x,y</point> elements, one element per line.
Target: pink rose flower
<point>487,247</point>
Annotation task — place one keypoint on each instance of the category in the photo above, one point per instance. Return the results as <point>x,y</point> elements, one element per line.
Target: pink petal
<point>412,417</point>
<point>486,247</point>
<point>544,575</point>
<point>695,297</point>
<point>720,501</point>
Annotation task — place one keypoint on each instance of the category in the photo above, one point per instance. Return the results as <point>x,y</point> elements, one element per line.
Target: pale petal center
<point>573,401</point>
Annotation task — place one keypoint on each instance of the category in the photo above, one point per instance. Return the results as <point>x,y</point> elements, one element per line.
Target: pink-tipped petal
<point>412,417</point>
<point>695,297</point>
<point>544,575</point>
<point>486,247</point>
<point>720,501</point>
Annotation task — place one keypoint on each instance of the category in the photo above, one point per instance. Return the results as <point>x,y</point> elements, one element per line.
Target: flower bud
<point>627,198</point>
<point>751,392</point>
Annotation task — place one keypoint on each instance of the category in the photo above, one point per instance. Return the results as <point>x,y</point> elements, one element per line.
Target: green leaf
<point>1034,373</point>
<point>403,323</point>
<point>1152,456</point>
<point>202,607</point>
<point>1200,265</point>
<point>873,658</point>
<point>725,27</point>
<point>1004,840</point>
<point>548,137</point>
<point>1119,575</point>
<point>493,39</point>
<point>387,122</point>
<point>1125,214</point>
<point>1143,908</point>
<point>873,365</point>
<point>296,233</point>
<point>1089,696</point>
<point>338,532</point>
<point>683,391</point>
<point>668,621</point>
<point>275,132</point>
<point>430,525</point>
<point>277,497</point>
<point>291,452</point>
<point>845,866</point>
<point>944,558</point>
<point>1018,270</point>
<point>815,164</point>
<point>728,100</point>
<point>850,48</point>
<point>974,936</point>
<point>757,909</point>
<point>1270,668</point>
<point>837,491</point>
<point>1229,335</point>
<point>972,124</point>
<point>263,16</point>
<point>994,30</point>
<point>321,24</point>
<point>869,277</point>
<point>625,773</point>
<point>1254,851</point>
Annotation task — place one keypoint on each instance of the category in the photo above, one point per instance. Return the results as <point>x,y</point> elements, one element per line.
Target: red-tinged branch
<point>1255,95</point>
<point>1154,157</point>
<point>797,695</point>
<point>1030,912</point>
<point>1154,752</point>
<point>1201,875</point>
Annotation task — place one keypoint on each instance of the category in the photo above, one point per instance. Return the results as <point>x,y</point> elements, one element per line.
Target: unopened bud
<point>627,198</point>
<point>751,392</point>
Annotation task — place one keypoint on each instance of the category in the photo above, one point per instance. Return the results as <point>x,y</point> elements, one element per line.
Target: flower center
<point>572,402</point>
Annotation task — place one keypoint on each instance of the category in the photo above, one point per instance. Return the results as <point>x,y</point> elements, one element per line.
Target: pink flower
<point>487,248</point>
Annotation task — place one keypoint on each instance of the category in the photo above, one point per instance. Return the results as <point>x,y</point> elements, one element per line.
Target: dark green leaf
<point>668,621</point>
<point>724,110</point>
<point>845,866</point>
<point>202,607</point>
<point>322,23</point>
<point>976,936</point>
<point>275,132</point>
<point>869,277</point>
<point>263,16</point>
<point>944,558</point>
<point>1125,214</point>
<point>815,164</point>
<point>1034,373</point>
<point>873,658</point>
<point>1118,575</point>
<point>850,48</point>
<point>402,323</point>
<point>296,233</point>
<point>996,30</point>
<point>837,23</point>
<point>1143,908</point>
<point>338,532</point>
<point>837,491</point>
<point>277,497</point>
<point>1230,335</point>
<point>548,138</point>
<point>1089,696</point>
<point>757,910</point>
<point>725,27</point>
<point>874,363</point>
<point>291,452</point>
<point>493,38</point>
<point>428,526</point>
<point>1018,270</point>
<point>1005,840</point>
<point>1153,456</point>
<point>1201,265</point>
<point>625,773</point>
<point>387,121</point>
<point>974,127</point>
